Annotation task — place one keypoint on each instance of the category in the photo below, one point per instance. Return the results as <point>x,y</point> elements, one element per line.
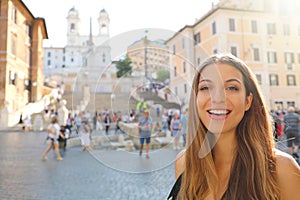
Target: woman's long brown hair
<point>253,173</point>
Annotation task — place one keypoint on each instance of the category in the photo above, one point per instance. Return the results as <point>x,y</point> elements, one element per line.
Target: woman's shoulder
<point>288,174</point>
<point>179,163</point>
<point>285,160</point>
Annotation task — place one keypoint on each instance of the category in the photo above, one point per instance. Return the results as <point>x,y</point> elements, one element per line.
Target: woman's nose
<point>218,95</point>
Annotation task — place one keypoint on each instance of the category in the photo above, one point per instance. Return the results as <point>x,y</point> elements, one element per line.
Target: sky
<point>125,16</point>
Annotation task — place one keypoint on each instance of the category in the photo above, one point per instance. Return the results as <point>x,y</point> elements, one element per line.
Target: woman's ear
<point>248,102</point>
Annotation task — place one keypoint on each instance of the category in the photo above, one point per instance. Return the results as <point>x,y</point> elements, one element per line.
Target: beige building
<point>263,33</point>
<point>148,56</point>
<point>21,55</point>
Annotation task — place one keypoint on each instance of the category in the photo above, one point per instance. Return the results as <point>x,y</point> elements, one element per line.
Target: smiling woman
<point>230,151</point>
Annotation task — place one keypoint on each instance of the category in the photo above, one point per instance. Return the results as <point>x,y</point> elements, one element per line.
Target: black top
<point>175,190</point>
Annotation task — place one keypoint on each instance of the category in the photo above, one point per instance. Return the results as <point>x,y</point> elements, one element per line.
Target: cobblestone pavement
<point>96,175</point>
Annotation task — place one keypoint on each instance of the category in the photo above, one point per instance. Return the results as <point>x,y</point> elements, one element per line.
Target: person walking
<point>27,123</point>
<point>118,124</point>
<point>170,115</point>
<point>85,134</point>
<point>53,134</point>
<point>157,111</point>
<point>176,130</point>
<point>77,122</point>
<point>139,107</point>
<point>99,123</point>
<point>62,139</point>
<point>183,122</point>
<point>107,122</point>
<point>144,105</point>
<point>291,128</point>
<point>144,131</point>
<point>164,121</point>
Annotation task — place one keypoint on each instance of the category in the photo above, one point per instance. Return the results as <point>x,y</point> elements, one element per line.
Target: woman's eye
<point>204,88</point>
<point>232,88</point>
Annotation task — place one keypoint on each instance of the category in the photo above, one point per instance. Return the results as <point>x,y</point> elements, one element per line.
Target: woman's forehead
<point>219,72</point>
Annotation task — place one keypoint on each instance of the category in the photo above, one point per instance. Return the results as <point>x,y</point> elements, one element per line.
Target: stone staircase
<point>149,96</point>
<point>120,102</point>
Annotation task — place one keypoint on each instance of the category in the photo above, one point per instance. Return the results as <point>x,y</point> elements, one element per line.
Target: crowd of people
<point>286,129</point>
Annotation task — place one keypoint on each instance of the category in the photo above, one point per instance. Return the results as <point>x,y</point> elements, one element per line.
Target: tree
<point>124,67</point>
<point>163,75</point>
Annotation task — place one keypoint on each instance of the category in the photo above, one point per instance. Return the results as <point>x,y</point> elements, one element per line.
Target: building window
<point>49,54</point>
<point>258,78</point>
<point>256,54</point>
<point>272,57</point>
<point>254,26</point>
<point>175,71</point>
<point>231,24</point>
<point>184,67</point>
<point>182,43</point>
<point>12,78</point>
<point>286,29</point>
<point>288,57</point>
<point>29,30</point>
<point>14,15</point>
<point>72,28</point>
<point>290,103</point>
<point>198,61</point>
<point>233,51</point>
<point>185,88</point>
<point>273,79</point>
<point>215,51</point>
<point>197,38</point>
<point>174,49</point>
<point>176,91</point>
<point>291,80</point>
<point>13,45</point>
<point>103,57</point>
<point>72,60</point>
<point>271,28</point>
<point>214,28</point>
<point>278,105</point>
<point>49,62</point>
<point>27,84</point>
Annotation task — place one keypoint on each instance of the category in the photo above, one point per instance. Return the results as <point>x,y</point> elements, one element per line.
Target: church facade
<point>81,51</point>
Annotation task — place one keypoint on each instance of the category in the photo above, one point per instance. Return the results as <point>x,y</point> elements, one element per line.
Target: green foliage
<point>124,67</point>
<point>163,74</point>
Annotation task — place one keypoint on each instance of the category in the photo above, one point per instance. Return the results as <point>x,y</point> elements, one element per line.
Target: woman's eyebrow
<point>205,80</point>
<point>234,80</point>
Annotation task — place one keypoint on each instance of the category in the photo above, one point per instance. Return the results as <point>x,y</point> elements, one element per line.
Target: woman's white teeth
<point>218,112</point>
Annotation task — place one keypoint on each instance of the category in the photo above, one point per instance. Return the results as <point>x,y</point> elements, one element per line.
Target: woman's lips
<point>218,114</point>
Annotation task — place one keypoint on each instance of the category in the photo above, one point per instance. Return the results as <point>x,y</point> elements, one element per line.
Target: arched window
<point>73,29</point>
<point>103,57</point>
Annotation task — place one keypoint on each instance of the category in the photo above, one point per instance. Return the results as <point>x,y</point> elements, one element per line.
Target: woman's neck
<point>224,153</point>
<point>225,148</point>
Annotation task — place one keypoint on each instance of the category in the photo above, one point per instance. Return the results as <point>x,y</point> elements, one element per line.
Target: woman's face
<point>221,98</point>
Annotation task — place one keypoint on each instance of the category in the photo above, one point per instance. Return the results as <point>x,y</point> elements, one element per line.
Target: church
<point>85,57</point>
<point>81,51</point>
